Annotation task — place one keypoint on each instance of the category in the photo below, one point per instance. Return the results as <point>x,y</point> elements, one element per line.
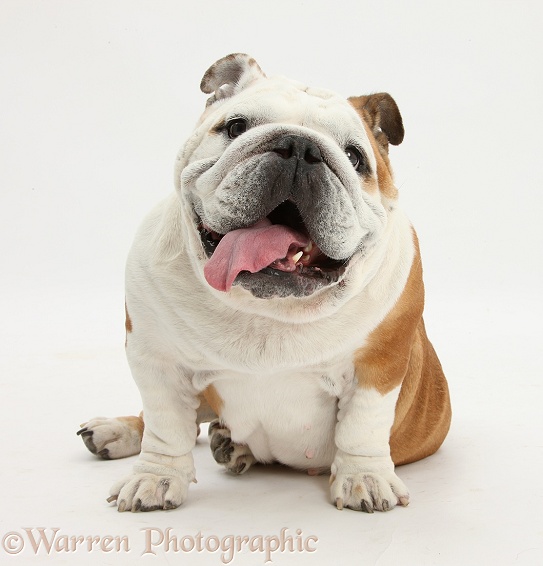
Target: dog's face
<point>285,187</point>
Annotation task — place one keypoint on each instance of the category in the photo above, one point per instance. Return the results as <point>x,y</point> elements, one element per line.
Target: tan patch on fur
<point>385,177</point>
<point>383,362</point>
<point>398,352</point>
<point>213,399</point>
<point>423,411</point>
<point>381,113</point>
<point>127,321</point>
<point>204,413</point>
<point>127,324</point>
<point>383,123</point>
<point>135,423</point>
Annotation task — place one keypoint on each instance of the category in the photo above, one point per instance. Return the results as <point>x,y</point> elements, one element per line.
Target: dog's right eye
<point>236,127</point>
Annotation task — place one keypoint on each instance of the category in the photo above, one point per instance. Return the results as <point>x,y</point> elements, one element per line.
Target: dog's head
<point>285,186</point>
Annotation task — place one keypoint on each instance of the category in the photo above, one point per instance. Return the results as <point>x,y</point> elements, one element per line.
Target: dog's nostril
<point>284,152</point>
<point>313,155</point>
<point>297,146</point>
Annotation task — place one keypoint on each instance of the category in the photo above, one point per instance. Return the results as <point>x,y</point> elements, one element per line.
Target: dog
<point>278,294</point>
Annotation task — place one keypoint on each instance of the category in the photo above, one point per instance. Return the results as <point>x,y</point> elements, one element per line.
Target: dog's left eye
<point>354,156</point>
<point>236,127</point>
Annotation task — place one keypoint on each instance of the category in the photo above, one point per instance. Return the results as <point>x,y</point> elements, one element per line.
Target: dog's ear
<point>230,75</point>
<point>381,114</point>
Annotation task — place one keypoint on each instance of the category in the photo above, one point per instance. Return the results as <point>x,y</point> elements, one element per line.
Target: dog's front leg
<point>165,467</point>
<point>363,476</point>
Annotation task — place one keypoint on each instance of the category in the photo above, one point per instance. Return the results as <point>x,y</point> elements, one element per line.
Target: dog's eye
<point>354,156</point>
<point>236,127</point>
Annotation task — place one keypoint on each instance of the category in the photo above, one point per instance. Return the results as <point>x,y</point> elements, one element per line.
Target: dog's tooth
<point>309,247</point>
<point>296,257</point>
<point>305,257</point>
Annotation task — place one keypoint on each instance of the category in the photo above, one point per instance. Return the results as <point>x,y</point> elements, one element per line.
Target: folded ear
<point>230,75</point>
<point>381,114</point>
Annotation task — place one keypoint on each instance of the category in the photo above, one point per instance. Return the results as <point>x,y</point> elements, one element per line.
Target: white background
<point>95,100</point>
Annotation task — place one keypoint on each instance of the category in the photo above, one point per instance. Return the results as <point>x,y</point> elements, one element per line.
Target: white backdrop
<point>97,96</point>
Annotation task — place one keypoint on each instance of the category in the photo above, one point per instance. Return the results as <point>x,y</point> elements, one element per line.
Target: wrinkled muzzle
<point>286,201</point>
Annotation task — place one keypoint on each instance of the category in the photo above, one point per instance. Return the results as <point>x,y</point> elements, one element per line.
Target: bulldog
<point>278,294</point>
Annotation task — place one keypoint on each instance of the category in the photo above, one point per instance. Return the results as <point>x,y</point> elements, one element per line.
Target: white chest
<point>288,417</point>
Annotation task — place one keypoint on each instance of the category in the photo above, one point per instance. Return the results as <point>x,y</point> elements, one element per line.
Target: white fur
<point>114,436</point>
<point>281,366</point>
<point>363,468</point>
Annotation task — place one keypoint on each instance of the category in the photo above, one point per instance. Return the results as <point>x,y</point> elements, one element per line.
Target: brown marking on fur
<point>219,127</point>
<point>135,423</point>
<point>205,412</point>
<point>127,321</point>
<point>127,324</point>
<point>383,123</point>
<point>398,352</point>
<point>213,399</point>
<point>423,411</point>
<point>381,113</point>
<point>385,178</point>
<point>383,361</point>
<point>227,70</point>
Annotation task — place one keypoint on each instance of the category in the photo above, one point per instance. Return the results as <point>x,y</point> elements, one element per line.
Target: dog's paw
<point>149,492</point>
<point>366,484</point>
<point>112,438</point>
<point>236,458</point>
<point>368,492</point>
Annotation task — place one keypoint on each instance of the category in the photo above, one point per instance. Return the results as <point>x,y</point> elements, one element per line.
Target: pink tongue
<point>250,249</point>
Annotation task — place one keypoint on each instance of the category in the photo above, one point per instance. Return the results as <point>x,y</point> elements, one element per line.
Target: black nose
<point>299,148</point>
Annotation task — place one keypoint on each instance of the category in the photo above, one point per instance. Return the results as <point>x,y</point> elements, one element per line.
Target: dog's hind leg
<point>120,437</point>
<point>236,458</point>
<point>113,438</point>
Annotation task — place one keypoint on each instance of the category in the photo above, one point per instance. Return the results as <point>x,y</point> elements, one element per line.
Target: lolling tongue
<point>250,249</point>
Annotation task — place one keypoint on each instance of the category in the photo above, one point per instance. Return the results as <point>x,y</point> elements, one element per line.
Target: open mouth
<point>278,247</point>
